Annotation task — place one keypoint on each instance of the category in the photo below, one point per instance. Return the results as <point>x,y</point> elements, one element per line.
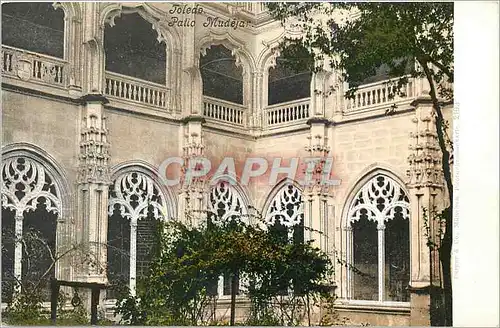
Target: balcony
<point>137,91</point>
<point>376,95</point>
<point>292,112</point>
<point>224,111</point>
<point>34,67</point>
<point>254,8</point>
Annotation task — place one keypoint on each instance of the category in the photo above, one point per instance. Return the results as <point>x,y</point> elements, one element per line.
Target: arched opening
<point>285,221</point>
<point>136,206</point>
<point>378,222</point>
<point>222,78</point>
<point>31,198</point>
<point>33,26</point>
<point>132,49</point>
<point>225,205</point>
<point>287,84</point>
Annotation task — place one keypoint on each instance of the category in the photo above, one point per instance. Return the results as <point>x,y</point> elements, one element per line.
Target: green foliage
<point>177,289</point>
<point>391,41</point>
<point>26,309</point>
<point>386,35</point>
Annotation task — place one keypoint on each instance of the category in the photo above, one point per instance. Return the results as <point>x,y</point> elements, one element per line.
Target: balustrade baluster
<point>130,94</point>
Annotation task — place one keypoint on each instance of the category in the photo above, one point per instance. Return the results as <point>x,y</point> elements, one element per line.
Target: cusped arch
<point>72,10</point>
<point>238,49</point>
<point>361,192</point>
<point>41,176</point>
<point>284,196</point>
<point>267,57</point>
<point>152,15</point>
<point>227,194</point>
<point>141,181</point>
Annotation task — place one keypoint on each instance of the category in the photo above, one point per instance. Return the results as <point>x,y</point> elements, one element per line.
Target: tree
<point>190,259</point>
<point>25,295</point>
<point>405,39</point>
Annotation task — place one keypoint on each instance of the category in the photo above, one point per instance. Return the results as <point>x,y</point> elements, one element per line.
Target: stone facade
<point>89,127</point>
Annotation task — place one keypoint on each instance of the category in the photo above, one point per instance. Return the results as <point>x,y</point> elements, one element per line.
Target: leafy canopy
<point>358,39</point>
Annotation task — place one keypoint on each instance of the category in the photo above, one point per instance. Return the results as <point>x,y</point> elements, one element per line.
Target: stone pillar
<point>93,50</point>
<point>92,190</point>
<point>425,188</point>
<point>191,198</point>
<point>18,250</point>
<point>317,194</point>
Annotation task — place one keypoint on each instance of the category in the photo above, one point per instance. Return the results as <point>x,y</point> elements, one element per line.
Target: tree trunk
<point>447,240</point>
<point>234,289</point>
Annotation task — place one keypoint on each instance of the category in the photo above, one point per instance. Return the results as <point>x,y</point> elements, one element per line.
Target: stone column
<point>92,190</point>
<point>191,198</point>
<point>318,194</point>
<point>18,250</point>
<point>425,188</point>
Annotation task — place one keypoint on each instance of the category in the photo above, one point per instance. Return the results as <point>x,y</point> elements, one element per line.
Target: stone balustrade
<point>136,90</point>
<point>378,93</point>
<point>292,111</point>
<point>223,111</point>
<point>30,66</point>
<point>252,7</point>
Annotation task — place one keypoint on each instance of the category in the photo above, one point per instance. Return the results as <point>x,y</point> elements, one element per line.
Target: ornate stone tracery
<point>134,193</point>
<point>226,202</point>
<point>287,207</point>
<point>24,183</point>
<point>379,200</point>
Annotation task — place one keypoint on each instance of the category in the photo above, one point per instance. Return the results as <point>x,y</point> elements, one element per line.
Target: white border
<point>475,285</point>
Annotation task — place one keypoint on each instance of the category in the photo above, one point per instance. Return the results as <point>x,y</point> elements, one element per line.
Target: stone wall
<point>47,123</point>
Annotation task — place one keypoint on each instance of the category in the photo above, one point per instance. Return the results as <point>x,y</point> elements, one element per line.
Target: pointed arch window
<point>285,220</point>
<point>136,204</point>
<point>378,242</point>
<point>286,213</point>
<point>31,204</point>
<point>226,204</point>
